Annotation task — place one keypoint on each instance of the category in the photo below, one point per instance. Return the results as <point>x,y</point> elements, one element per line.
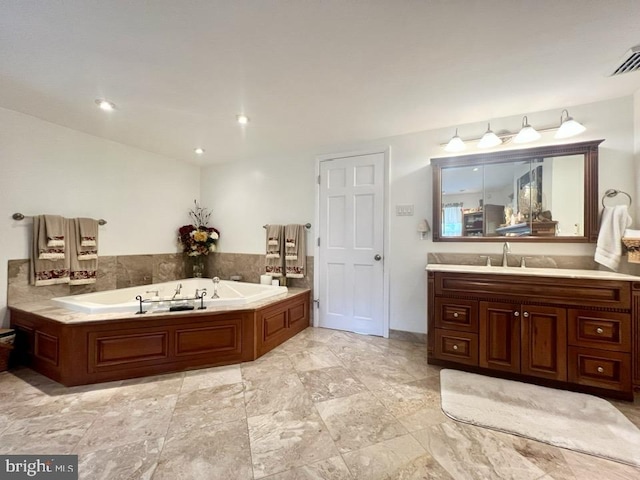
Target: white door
<point>351,233</point>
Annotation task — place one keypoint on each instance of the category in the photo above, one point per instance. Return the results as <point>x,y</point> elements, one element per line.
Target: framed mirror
<point>544,194</point>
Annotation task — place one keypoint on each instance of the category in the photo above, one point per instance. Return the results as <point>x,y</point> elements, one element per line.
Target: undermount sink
<point>537,272</point>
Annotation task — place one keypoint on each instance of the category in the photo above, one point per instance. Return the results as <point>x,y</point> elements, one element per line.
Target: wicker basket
<point>633,248</point>
<point>5,353</point>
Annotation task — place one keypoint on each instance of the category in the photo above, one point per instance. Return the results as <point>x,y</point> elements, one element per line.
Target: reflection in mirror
<point>536,193</point>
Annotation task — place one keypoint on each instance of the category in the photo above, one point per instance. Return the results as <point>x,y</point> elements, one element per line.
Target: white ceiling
<point>310,74</point>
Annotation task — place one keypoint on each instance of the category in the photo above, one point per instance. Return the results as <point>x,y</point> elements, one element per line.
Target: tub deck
<point>76,348</point>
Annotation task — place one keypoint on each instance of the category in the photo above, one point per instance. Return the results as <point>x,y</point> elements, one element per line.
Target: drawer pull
<point>599,331</point>
<point>525,314</point>
<point>455,347</point>
<point>600,370</point>
<point>516,314</point>
<point>455,315</point>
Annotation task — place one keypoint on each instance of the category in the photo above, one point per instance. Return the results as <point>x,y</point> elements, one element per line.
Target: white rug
<point>575,421</point>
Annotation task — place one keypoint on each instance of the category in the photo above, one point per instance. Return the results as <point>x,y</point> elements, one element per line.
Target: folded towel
<point>273,263</point>
<point>614,222</point>
<point>55,227</point>
<point>82,271</point>
<point>47,271</point>
<point>50,238</point>
<point>86,249</point>
<point>295,251</point>
<point>88,232</point>
<point>628,233</point>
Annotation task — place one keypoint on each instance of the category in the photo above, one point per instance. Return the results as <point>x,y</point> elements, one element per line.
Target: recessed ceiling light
<point>105,105</point>
<point>242,119</point>
<point>199,151</point>
<point>475,169</point>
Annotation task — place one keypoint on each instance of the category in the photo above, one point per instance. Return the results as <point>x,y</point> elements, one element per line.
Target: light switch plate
<point>404,210</point>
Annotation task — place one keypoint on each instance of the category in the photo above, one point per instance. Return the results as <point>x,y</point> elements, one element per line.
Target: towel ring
<point>612,193</point>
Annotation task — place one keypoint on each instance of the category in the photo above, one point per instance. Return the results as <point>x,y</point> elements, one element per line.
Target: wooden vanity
<point>574,333</point>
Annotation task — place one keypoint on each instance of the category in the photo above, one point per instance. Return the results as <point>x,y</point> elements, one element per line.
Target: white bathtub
<point>124,299</point>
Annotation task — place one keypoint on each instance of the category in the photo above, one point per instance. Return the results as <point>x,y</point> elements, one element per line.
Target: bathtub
<point>124,299</point>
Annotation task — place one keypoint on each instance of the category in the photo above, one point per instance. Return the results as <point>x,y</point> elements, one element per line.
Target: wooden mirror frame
<point>588,149</point>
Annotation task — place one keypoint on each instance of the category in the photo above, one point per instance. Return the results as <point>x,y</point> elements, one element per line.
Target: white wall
<point>46,168</point>
<point>246,195</point>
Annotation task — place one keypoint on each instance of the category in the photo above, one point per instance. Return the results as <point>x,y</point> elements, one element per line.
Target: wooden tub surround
<point>574,333</point>
<point>76,349</point>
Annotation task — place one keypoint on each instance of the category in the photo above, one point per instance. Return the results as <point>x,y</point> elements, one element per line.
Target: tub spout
<point>178,290</point>
<point>216,282</point>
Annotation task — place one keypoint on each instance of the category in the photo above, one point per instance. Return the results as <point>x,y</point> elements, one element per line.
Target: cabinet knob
<point>455,347</point>
<point>525,314</point>
<point>599,330</point>
<point>600,369</point>
<point>455,315</point>
<point>516,314</point>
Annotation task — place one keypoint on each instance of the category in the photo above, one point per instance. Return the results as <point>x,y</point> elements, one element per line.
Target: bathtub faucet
<point>178,289</point>
<point>155,292</point>
<point>216,281</point>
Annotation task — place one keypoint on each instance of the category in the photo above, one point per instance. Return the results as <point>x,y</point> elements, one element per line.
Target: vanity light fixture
<point>568,126</point>
<point>489,139</point>
<point>242,119</point>
<point>456,144</point>
<point>527,133</point>
<point>198,151</point>
<point>105,105</point>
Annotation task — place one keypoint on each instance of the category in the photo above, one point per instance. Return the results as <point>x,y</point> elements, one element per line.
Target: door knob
<point>377,258</point>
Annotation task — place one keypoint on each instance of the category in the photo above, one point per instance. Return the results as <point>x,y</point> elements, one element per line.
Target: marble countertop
<point>536,272</point>
<point>47,308</point>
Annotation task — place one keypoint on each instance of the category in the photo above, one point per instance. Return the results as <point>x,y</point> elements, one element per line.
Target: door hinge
<point>318,241</point>
<point>318,179</point>
<point>317,302</point>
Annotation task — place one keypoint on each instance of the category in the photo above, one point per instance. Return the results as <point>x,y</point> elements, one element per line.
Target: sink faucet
<point>506,248</point>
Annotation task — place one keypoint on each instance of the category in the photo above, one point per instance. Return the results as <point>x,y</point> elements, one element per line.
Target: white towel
<point>613,224</point>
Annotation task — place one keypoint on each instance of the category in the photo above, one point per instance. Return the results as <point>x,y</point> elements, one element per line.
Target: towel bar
<point>612,193</point>
<point>307,226</point>
<point>20,216</point>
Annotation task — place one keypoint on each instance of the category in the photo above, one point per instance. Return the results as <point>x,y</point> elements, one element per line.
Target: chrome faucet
<point>215,281</point>
<point>155,292</point>
<point>506,248</point>
<point>178,290</point>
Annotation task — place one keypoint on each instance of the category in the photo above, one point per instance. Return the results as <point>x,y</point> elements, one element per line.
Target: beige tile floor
<point>325,405</point>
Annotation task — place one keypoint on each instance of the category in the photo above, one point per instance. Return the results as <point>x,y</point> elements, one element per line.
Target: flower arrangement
<point>198,239</point>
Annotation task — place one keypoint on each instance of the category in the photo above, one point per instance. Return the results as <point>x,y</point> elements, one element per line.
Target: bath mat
<point>574,421</point>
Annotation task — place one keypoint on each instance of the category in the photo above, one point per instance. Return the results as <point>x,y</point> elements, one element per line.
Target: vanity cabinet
<point>563,332</point>
<point>527,339</point>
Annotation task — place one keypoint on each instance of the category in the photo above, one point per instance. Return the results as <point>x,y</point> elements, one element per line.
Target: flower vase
<point>197,266</point>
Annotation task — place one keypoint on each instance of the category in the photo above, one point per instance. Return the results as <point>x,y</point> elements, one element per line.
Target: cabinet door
<point>544,342</point>
<point>500,336</point>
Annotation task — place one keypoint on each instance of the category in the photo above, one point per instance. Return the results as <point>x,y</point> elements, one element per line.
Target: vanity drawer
<point>461,347</point>
<point>455,314</point>
<point>603,330</point>
<point>600,368</point>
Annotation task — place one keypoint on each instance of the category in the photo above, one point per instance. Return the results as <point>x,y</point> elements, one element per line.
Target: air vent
<point>630,62</point>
